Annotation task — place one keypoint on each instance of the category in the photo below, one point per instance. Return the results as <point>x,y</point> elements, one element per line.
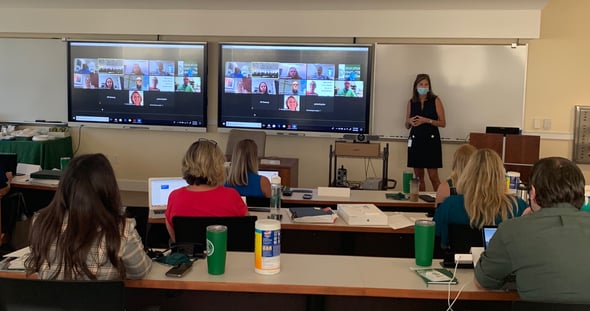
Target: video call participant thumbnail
<point>136,98</point>
<point>291,103</point>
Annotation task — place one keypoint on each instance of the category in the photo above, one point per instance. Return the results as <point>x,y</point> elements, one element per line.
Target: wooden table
<point>340,238</point>
<point>317,278</point>
<point>376,197</point>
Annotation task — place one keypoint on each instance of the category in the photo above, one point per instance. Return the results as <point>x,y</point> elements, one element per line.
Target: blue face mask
<point>422,90</point>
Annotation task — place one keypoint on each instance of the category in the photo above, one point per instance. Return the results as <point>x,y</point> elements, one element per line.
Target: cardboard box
<point>357,149</point>
<point>362,215</point>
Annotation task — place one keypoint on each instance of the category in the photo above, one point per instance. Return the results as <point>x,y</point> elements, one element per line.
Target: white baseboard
<point>133,185</point>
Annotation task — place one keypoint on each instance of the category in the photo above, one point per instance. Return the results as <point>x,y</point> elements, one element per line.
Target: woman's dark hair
<point>266,85</point>
<point>557,180</point>
<point>112,83</point>
<point>85,210</point>
<point>420,77</point>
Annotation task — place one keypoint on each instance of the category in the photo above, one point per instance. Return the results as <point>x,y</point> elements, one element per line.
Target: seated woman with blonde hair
<point>481,200</point>
<point>460,159</point>
<point>205,195</point>
<point>243,173</point>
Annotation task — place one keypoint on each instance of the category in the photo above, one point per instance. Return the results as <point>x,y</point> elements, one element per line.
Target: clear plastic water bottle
<point>275,197</point>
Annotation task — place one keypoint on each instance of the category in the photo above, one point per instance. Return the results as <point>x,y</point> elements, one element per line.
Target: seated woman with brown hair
<point>481,200</point>
<point>243,173</point>
<point>83,233</point>
<point>205,195</point>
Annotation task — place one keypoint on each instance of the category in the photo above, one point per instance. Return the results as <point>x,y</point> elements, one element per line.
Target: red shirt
<point>217,202</point>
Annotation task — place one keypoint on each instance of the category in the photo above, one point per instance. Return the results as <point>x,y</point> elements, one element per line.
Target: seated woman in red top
<point>203,170</point>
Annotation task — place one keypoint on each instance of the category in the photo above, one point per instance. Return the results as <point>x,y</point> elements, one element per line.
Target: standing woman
<point>425,114</point>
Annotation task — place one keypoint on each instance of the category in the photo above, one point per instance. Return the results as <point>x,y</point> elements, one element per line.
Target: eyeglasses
<point>207,140</point>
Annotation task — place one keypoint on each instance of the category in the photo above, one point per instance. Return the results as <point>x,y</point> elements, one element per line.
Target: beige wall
<point>557,79</point>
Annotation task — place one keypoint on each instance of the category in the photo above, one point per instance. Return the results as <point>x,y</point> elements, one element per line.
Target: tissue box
<point>362,215</point>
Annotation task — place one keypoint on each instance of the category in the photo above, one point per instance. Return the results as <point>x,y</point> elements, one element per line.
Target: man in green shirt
<point>186,86</point>
<point>547,250</point>
<point>346,91</point>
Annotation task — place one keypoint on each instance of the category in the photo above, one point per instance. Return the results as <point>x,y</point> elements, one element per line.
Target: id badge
<point>409,143</point>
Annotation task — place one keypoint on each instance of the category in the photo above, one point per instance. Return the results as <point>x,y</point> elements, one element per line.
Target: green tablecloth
<point>45,153</point>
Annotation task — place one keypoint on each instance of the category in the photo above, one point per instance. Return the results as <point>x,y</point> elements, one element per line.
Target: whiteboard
<point>33,79</point>
<point>479,85</point>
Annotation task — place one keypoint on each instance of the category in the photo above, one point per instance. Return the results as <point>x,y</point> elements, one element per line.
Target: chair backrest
<point>240,231</point>
<point>463,237</point>
<point>548,306</point>
<point>141,216</point>
<point>32,294</point>
<point>235,136</point>
<point>257,202</point>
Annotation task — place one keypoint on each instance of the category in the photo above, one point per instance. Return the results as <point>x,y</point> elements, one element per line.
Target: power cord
<point>449,303</point>
<point>79,138</point>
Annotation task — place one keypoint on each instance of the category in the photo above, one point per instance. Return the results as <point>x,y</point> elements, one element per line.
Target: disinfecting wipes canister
<point>267,246</point>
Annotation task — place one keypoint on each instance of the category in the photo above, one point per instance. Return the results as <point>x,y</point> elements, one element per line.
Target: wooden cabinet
<point>519,152</point>
<point>288,169</point>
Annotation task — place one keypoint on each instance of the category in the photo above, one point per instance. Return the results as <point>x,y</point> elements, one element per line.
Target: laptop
<point>268,174</point>
<point>159,188</point>
<point>9,162</point>
<point>487,232</point>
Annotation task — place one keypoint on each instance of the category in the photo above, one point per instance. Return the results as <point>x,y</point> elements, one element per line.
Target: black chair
<point>240,231</point>
<point>258,202</point>
<point>32,294</point>
<point>547,306</point>
<point>461,239</point>
<point>141,216</point>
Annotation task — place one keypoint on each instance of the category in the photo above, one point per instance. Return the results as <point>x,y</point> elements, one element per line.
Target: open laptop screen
<point>487,233</point>
<point>160,188</point>
<point>268,174</point>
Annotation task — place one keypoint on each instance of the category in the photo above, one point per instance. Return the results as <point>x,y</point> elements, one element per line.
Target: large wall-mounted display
<point>295,89</point>
<point>137,84</point>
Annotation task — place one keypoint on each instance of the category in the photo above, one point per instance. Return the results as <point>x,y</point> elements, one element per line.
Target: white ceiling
<point>281,4</point>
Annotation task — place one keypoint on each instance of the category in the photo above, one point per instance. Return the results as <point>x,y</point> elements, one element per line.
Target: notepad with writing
<point>438,276</point>
<point>312,214</point>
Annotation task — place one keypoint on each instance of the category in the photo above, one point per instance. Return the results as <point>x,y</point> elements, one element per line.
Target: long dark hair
<point>88,199</point>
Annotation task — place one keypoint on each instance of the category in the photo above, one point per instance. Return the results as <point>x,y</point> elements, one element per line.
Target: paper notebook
<point>437,276</point>
<point>312,214</point>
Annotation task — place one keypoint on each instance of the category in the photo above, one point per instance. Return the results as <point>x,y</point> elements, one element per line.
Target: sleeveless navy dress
<point>425,150</point>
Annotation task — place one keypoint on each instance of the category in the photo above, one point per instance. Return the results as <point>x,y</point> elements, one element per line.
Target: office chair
<point>141,216</point>
<point>235,136</point>
<point>257,201</point>
<point>33,294</point>
<point>547,306</point>
<point>461,238</point>
<point>240,231</point>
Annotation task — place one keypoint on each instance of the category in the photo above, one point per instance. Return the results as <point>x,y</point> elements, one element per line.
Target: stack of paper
<point>399,220</point>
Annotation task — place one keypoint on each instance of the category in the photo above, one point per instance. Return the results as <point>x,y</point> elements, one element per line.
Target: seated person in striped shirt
<point>83,233</point>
